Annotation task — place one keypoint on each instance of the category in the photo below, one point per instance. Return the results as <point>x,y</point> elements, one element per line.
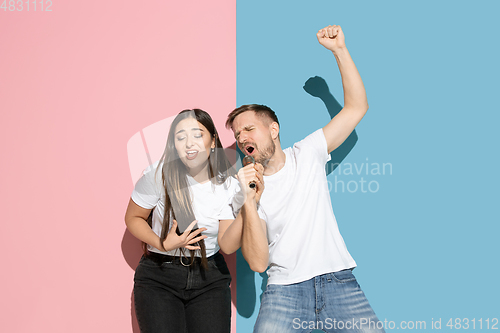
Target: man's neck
<point>276,163</point>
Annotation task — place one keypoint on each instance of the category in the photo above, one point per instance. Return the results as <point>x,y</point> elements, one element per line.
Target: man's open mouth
<point>249,150</point>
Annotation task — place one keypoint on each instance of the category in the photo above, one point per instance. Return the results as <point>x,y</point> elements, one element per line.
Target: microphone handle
<point>246,161</point>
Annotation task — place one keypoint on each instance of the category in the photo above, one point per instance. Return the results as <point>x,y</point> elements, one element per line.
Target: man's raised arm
<point>355,102</point>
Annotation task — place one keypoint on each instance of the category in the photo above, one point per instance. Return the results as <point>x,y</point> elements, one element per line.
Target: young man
<point>310,283</point>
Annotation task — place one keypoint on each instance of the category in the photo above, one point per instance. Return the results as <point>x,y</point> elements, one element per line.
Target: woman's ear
<point>213,141</point>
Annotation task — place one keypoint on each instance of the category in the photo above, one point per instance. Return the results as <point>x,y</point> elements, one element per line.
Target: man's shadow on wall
<point>315,86</point>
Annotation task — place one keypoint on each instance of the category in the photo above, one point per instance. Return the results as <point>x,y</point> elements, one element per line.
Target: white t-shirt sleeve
<point>238,200</point>
<point>227,209</point>
<point>314,145</point>
<point>147,191</point>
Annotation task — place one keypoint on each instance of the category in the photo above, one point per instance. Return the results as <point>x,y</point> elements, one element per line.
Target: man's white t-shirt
<point>210,203</point>
<point>304,239</point>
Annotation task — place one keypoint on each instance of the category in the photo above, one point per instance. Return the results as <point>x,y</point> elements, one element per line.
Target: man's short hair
<point>261,111</point>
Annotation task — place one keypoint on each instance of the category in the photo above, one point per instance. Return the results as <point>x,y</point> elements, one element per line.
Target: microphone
<point>246,161</point>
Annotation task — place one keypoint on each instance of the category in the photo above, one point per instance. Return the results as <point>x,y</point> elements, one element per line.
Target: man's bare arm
<point>355,101</point>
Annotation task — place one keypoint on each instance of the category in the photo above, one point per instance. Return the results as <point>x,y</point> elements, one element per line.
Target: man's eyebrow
<point>246,128</point>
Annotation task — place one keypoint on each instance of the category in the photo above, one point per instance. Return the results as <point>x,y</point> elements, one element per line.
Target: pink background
<point>76,84</point>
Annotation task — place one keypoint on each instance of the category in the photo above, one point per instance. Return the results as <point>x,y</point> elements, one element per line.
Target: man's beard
<point>266,154</point>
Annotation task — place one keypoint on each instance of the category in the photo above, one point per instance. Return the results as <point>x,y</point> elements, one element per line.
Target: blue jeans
<point>170,297</point>
<point>330,302</point>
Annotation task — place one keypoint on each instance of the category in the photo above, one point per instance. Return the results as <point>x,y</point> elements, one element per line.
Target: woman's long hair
<point>178,203</point>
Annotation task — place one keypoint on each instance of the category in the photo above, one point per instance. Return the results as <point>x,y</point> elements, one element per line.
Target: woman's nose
<point>189,141</point>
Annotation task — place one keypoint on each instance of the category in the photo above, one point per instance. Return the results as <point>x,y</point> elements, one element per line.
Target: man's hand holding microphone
<point>251,180</point>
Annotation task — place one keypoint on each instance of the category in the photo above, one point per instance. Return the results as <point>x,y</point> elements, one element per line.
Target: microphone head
<point>248,160</point>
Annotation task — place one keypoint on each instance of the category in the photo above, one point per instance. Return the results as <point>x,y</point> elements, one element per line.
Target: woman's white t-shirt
<point>210,203</point>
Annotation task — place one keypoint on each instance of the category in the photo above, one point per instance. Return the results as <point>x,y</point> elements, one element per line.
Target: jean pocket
<point>343,276</point>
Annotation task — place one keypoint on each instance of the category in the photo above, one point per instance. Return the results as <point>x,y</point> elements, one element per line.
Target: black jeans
<point>170,297</point>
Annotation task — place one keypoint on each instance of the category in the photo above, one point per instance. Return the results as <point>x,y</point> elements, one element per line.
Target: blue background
<point>426,243</point>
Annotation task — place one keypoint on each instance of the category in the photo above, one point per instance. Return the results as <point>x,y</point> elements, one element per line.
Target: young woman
<point>182,281</point>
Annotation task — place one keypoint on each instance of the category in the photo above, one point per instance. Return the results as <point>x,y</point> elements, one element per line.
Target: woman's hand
<point>174,241</point>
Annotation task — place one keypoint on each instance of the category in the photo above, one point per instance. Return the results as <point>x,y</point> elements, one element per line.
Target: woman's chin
<point>196,164</point>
